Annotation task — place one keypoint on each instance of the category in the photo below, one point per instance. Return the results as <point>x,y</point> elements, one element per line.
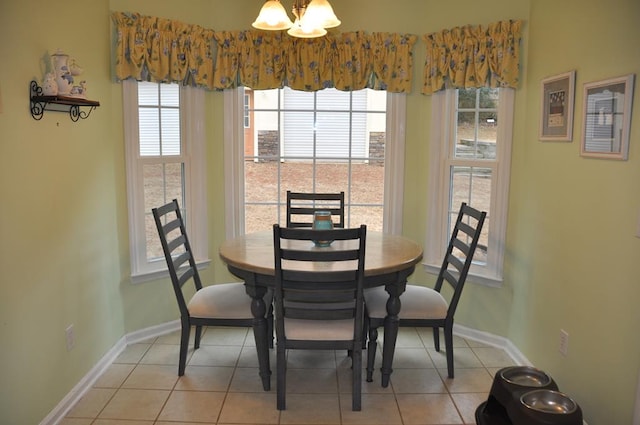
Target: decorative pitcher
<point>64,79</point>
<point>49,85</point>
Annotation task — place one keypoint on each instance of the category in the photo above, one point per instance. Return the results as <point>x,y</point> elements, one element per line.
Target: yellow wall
<point>572,257</point>
<point>575,258</point>
<point>60,187</point>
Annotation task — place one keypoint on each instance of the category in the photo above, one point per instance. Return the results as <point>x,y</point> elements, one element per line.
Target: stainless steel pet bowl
<point>511,382</point>
<point>548,401</point>
<point>525,376</point>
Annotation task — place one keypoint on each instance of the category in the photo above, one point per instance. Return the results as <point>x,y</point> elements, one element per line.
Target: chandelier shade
<point>300,31</point>
<point>312,18</point>
<point>272,17</point>
<point>322,12</point>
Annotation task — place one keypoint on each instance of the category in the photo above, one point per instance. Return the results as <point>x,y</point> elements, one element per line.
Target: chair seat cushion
<point>225,300</point>
<point>317,330</point>
<point>418,302</point>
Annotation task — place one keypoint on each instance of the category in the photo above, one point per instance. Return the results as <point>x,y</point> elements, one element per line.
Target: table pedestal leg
<point>391,325</point>
<point>260,332</point>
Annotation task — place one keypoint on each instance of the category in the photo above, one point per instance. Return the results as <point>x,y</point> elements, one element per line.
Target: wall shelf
<point>72,105</point>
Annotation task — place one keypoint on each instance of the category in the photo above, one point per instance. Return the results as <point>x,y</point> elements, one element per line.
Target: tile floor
<point>221,385</point>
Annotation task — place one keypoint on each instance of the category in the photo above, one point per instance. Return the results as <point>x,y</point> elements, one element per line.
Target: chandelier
<point>313,17</point>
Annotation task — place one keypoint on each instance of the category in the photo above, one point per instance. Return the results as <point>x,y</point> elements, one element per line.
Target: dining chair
<point>319,297</point>
<point>425,307</point>
<point>225,304</point>
<point>301,207</point>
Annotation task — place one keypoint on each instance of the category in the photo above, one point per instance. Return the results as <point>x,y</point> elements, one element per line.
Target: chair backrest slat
<point>176,243</point>
<point>170,226</point>
<point>292,254</point>
<point>455,262</point>
<point>299,278</point>
<point>464,227</point>
<point>180,259</point>
<point>451,278</point>
<point>461,245</point>
<point>185,276</point>
<point>319,314</point>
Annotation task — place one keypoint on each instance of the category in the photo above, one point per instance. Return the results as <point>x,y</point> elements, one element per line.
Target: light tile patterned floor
<point>221,385</point>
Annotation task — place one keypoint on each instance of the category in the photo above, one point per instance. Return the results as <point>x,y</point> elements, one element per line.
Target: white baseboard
<point>80,389</point>
<point>76,393</point>
<point>494,341</point>
<point>505,344</point>
<point>153,331</point>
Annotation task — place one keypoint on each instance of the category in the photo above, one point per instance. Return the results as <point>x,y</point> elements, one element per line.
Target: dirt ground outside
<point>265,194</point>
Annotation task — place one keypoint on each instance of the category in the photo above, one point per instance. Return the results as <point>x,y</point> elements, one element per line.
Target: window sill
<point>481,279</point>
<point>160,274</point>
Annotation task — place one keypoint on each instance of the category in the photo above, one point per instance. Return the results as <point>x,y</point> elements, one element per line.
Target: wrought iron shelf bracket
<point>73,105</point>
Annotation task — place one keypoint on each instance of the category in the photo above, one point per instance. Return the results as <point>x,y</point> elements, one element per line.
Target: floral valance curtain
<point>346,61</point>
<point>157,49</point>
<point>473,56</point>
<point>162,50</point>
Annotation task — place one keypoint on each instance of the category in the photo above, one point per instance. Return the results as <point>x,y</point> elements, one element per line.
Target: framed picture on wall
<point>607,118</point>
<point>556,118</point>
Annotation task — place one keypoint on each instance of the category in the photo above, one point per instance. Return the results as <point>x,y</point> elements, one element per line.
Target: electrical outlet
<point>70,337</point>
<point>564,342</point>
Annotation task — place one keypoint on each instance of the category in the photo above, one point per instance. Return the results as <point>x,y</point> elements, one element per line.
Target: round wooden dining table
<point>389,261</point>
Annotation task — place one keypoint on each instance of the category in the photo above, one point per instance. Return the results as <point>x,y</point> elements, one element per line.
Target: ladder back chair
<point>319,297</point>
<point>225,304</point>
<point>301,207</point>
<point>425,307</point>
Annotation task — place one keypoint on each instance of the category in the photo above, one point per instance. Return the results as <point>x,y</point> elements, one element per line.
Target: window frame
<point>192,119</point>
<point>246,119</point>
<point>234,162</point>
<point>444,120</point>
